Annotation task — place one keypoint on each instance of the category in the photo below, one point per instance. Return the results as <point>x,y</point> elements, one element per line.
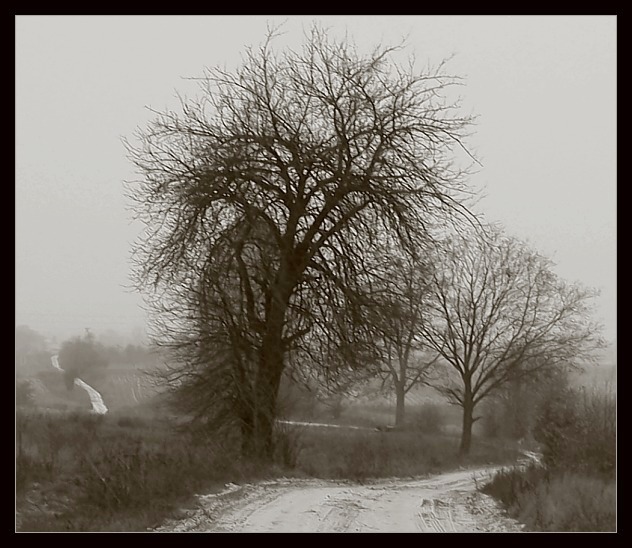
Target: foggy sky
<point>544,90</point>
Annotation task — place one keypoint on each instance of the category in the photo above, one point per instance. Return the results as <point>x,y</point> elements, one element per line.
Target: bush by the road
<point>577,431</point>
<point>575,489</point>
<point>85,472</point>
<point>556,502</point>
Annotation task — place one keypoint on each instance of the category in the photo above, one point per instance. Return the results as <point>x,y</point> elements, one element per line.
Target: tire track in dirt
<point>436,516</point>
<point>442,504</point>
<point>429,519</point>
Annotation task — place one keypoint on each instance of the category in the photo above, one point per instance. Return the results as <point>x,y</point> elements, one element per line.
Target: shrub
<point>575,491</point>
<point>578,503</point>
<point>510,484</point>
<point>123,475</point>
<point>577,431</point>
<point>556,502</point>
<point>104,470</point>
<point>429,419</point>
<point>367,457</point>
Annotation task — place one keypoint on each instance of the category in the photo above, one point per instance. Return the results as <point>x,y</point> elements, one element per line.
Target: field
<point>133,468</point>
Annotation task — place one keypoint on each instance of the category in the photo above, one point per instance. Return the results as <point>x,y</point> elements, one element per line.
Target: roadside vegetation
<point>574,489</point>
<point>129,471</point>
<point>140,464</point>
<point>119,472</point>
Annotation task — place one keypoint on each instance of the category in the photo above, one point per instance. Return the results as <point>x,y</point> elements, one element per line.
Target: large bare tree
<point>264,197</point>
<point>497,312</point>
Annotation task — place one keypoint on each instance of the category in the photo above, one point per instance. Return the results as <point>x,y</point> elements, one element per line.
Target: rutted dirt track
<point>446,503</point>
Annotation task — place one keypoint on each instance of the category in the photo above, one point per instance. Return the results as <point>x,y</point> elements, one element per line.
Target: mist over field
<point>355,268</point>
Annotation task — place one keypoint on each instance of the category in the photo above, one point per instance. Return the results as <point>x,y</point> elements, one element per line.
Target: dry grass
<point>567,502</point>
<point>361,454</point>
<point>121,472</point>
<point>576,489</point>
<point>84,472</point>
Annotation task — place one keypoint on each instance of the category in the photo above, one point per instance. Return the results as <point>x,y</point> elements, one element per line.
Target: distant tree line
<point>31,350</point>
<point>79,353</point>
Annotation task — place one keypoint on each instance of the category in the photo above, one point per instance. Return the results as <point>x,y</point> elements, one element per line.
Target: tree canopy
<point>266,202</point>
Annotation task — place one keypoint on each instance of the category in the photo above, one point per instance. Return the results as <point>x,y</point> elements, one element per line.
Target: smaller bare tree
<point>406,362</point>
<point>497,313</point>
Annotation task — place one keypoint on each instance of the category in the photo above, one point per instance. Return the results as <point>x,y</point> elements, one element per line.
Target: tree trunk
<point>270,370</point>
<point>247,432</point>
<point>468,422</point>
<point>400,395</point>
<point>269,374</point>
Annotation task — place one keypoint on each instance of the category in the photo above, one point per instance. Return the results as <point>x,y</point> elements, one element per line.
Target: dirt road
<point>446,503</point>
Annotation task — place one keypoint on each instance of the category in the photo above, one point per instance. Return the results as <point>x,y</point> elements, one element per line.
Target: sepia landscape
<point>342,280</point>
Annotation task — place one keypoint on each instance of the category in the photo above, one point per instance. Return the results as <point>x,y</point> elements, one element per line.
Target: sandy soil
<point>445,503</point>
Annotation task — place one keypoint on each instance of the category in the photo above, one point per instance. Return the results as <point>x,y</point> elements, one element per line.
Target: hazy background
<point>544,89</point>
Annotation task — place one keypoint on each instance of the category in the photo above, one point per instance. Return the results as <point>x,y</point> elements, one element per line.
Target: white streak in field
<point>324,425</point>
<point>95,398</point>
<point>134,394</point>
<point>55,362</point>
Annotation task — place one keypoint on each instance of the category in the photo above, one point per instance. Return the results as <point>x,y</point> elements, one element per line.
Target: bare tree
<point>405,362</point>
<point>270,191</point>
<point>498,313</point>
